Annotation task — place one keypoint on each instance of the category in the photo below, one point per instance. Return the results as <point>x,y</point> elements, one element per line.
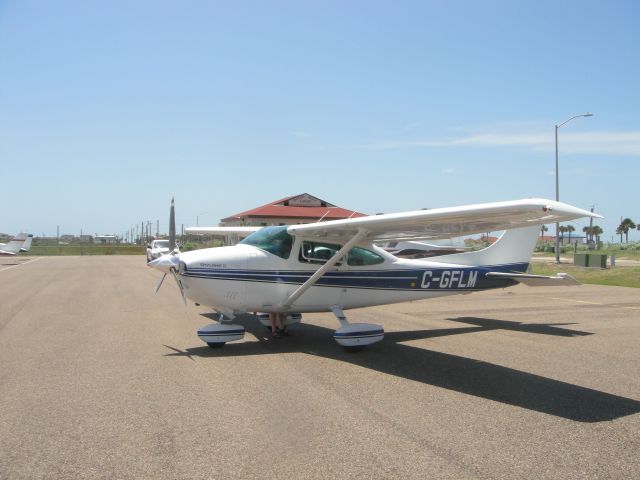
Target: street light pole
<point>557,247</point>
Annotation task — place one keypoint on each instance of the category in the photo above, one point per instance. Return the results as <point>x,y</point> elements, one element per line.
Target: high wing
<point>444,222</point>
<point>242,231</point>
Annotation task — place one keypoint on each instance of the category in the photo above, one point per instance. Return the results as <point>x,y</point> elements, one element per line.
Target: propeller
<point>160,283</point>
<point>175,275</point>
<point>170,263</point>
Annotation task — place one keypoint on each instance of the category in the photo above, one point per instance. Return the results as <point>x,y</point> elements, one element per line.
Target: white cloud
<point>590,143</point>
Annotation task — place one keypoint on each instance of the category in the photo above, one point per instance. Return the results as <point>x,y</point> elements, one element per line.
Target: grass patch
<point>626,251</point>
<point>53,250</point>
<point>618,276</point>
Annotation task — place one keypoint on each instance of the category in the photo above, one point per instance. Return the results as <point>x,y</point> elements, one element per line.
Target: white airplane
<point>335,266</point>
<point>16,244</point>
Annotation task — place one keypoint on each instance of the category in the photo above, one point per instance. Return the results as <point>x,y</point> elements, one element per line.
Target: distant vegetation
<point>629,251</point>
<point>619,276</point>
<point>118,249</point>
<point>51,247</point>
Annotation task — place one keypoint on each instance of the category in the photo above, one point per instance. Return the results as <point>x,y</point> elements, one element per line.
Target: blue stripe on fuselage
<point>454,278</point>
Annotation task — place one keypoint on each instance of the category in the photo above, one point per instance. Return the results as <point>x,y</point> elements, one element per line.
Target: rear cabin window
<point>362,257</point>
<point>317,252</point>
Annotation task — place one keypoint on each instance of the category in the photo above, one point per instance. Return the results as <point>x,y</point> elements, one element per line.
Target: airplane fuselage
<point>244,278</point>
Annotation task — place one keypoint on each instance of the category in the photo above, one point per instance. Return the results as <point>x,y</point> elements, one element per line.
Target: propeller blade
<point>175,275</point>
<point>160,283</point>
<point>172,227</point>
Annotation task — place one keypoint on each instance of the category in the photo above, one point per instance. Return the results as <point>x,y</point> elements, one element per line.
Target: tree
<point>624,227</point>
<point>543,229</point>
<point>562,229</point>
<point>597,231</point>
<point>588,231</point>
<point>570,228</point>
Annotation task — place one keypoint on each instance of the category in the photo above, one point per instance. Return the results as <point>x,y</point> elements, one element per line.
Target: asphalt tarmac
<point>99,378</point>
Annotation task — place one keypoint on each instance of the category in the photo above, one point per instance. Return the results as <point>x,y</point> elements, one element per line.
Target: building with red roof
<point>303,208</point>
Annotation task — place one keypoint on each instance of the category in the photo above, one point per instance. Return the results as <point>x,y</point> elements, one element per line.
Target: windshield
<point>161,244</point>
<point>274,240</point>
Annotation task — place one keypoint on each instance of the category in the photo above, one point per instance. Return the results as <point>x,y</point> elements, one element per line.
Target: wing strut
<point>322,270</point>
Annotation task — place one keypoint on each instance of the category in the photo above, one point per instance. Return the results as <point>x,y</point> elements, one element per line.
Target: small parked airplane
<point>27,243</point>
<point>19,243</point>
<point>335,266</point>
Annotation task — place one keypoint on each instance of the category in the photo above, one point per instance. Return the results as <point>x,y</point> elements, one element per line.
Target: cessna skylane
<point>334,266</point>
<point>17,244</point>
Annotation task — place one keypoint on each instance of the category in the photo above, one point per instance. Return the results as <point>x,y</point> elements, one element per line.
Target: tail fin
<point>27,244</point>
<point>513,247</point>
<point>14,245</point>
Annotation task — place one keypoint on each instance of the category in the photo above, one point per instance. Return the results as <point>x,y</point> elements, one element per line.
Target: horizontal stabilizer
<point>561,279</point>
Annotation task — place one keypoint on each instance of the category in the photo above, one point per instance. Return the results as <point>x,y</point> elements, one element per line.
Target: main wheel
<point>353,349</point>
<point>216,345</point>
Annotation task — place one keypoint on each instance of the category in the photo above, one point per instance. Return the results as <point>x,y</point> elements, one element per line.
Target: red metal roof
<point>278,209</point>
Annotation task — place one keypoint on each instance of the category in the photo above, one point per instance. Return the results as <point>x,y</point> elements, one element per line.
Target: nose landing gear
<point>217,334</point>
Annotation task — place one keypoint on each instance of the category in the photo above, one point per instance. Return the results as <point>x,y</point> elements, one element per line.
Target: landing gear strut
<point>355,336</point>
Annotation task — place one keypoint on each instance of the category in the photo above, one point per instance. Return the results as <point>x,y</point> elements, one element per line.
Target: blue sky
<point>108,109</point>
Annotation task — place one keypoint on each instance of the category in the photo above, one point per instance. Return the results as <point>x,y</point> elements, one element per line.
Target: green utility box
<point>590,260</point>
<point>581,259</point>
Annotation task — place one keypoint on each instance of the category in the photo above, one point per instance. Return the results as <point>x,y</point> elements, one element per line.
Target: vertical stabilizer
<point>27,244</point>
<point>514,246</point>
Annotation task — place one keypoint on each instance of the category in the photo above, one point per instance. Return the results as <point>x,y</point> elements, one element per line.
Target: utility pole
<point>557,247</point>
<point>591,228</point>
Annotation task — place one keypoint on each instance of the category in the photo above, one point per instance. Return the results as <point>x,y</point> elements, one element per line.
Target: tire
<point>354,349</point>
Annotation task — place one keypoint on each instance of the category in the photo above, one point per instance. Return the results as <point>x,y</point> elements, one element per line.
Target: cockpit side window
<point>274,240</point>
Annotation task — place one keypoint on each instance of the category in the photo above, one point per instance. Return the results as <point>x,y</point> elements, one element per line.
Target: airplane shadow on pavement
<point>453,372</point>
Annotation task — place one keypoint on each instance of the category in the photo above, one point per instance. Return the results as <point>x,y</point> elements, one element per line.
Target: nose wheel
<point>217,334</point>
<point>354,337</point>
